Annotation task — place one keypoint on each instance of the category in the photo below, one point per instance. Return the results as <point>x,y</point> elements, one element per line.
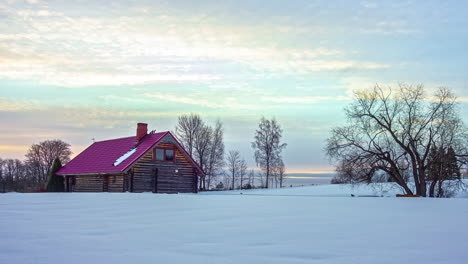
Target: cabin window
<point>169,154</point>
<point>159,154</point>
<point>162,154</point>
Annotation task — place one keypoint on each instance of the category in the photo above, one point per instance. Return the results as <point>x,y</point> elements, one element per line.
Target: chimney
<point>142,131</point>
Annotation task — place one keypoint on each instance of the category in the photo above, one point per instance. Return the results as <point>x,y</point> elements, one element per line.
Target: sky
<point>84,70</point>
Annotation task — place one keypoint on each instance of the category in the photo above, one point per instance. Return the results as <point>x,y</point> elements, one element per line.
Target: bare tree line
<point>32,173</point>
<point>230,170</point>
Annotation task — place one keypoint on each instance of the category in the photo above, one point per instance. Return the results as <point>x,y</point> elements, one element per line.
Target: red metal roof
<point>101,156</point>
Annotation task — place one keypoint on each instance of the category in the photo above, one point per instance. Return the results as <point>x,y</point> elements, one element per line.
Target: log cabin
<point>147,162</point>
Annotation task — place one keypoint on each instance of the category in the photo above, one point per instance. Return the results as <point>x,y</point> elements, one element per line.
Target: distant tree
<point>337,180</point>
<point>40,156</point>
<point>279,172</point>
<point>268,146</point>
<point>215,159</point>
<point>453,167</point>
<point>2,177</point>
<point>186,130</point>
<point>251,176</point>
<point>442,166</point>
<point>14,176</point>
<point>393,131</point>
<point>349,172</point>
<point>242,172</point>
<point>55,182</point>
<point>233,160</point>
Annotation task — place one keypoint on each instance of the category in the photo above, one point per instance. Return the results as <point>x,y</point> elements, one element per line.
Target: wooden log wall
<point>116,183</point>
<point>88,183</point>
<point>96,183</point>
<point>168,180</point>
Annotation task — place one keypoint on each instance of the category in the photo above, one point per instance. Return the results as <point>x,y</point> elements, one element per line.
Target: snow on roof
<point>124,157</point>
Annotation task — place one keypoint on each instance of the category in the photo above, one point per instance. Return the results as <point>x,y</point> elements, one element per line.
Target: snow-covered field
<point>314,224</point>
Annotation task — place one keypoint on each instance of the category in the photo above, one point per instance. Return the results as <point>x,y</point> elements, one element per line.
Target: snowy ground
<point>292,225</point>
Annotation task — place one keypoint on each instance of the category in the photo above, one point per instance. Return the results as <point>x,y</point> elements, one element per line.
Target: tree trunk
<point>422,183</point>
<point>233,173</point>
<point>432,188</point>
<point>441,190</point>
<point>416,180</point>
<point>407,189</point>
<point>396,175</point>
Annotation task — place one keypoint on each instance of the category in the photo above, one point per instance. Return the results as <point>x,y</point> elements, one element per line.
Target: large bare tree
<point>40,156</point>
<point>392,131</point>
<point>186,130</point>
<point>268,146</point>
<point>204,143</point>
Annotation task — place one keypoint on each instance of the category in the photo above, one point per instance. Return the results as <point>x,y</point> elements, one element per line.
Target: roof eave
<point>90,173</point>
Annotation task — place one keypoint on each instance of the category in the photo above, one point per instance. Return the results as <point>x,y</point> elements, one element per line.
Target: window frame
<point>164,158</point>
<point>155,157</point>
<point>173,154</point>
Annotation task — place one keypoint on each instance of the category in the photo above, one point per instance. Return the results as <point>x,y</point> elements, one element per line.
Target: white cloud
<point>216,103</point>
<point>143,48</point>
<point>369,4</point>
<point>303,99</point>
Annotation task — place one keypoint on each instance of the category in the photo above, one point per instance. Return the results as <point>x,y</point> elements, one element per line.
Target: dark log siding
<point>116,183</point>
<point>88,183</point>
<point>168,180</point>
<point>95,183</point>
<point>141,178</point>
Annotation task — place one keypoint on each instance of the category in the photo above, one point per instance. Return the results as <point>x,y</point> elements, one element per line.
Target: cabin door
<point>195,181</point>
<point>155,180</point>
<point>70,182</point>
<point>105,184</point>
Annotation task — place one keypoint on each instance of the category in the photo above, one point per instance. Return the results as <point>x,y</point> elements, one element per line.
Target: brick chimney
<point>142,131</point>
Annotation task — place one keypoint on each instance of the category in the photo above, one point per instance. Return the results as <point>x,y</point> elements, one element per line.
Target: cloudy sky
<point>78,70</point>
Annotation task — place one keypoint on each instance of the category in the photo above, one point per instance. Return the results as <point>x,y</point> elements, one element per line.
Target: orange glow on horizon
<point>312,172</point>
<point>306,177</point>
<point>18,151</point>
<point>13,147</point>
